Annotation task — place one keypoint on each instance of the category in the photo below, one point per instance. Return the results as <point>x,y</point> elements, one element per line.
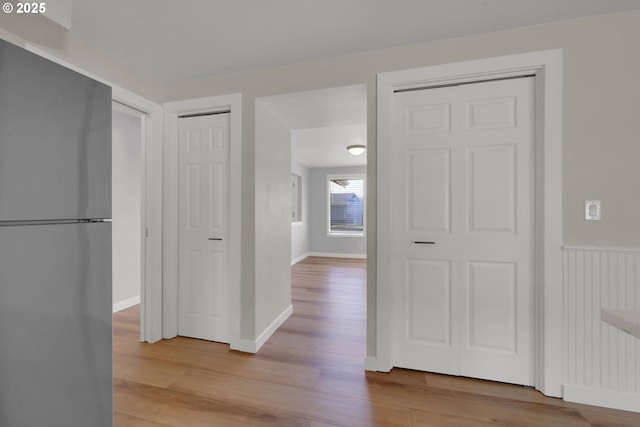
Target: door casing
<point>546,67</point>
<point>172,111</point>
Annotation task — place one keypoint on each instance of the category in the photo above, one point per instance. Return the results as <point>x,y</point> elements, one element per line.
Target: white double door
<point>203,192</point>
<point>463,230</point>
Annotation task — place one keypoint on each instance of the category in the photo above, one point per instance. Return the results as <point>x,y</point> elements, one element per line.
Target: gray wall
<point>319,242</point>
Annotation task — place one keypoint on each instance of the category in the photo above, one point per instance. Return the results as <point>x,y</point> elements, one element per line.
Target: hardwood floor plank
<point>304,323</point>
<point>446,402</point>
<point>296,340</point>
<point>489,388</point>
<point>610,418</point>
<point>317,424</point>
<point>336,332</point>
<point>175,359</point>
<point>430,419</point>
<point>312,358</point>
<point>168,407</point>
<point>124,420</point>
<point>295,401</point>
<point>335,310</point>
<point>247,366</point>
<point>148,371</point>
<point>310,373</point>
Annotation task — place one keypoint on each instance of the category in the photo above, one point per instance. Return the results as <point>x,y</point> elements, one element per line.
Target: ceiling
<point>175,40</point>
<point>338,106</point>
<point>323,123</point>
<point>327,146</point>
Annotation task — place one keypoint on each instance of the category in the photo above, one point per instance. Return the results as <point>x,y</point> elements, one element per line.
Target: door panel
<point>202,218</point>
<point>431,119</point>
<point>463,233</point>
<point>492,195</point>
<point>492,309</point>
<point>429,207</point>
<point>424,233</point>
<point>430,301</point>
<point>497,243</point>
<point>216,208</point>
<point>491,113</point>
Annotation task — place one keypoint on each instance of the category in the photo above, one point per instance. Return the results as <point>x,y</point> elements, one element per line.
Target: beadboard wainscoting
<point>602,363</point>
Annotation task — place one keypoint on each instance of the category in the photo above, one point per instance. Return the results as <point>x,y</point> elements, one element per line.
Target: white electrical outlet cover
<point>592,210</point>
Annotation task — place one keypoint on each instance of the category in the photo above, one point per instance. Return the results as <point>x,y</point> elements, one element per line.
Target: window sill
<point>361,235</point>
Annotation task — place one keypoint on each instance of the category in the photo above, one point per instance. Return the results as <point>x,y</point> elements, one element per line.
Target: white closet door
<point>463,242</point>
<point>203,184</point>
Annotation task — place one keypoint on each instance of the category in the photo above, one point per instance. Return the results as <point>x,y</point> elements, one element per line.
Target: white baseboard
<point>327,255</point>
<point>121,305</point>
<point>249,346</point>
<point>300,258</point>
<point>376,365</point>
<point>246,346</point>
<point>600,397</point>
<point>370,364</point>
<point>332,255</point>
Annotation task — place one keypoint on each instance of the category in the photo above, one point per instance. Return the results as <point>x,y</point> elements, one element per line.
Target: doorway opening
<point>127,206</point>
<point>328,199</point>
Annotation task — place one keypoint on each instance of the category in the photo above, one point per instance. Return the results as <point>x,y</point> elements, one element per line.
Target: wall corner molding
<point>249,346</point>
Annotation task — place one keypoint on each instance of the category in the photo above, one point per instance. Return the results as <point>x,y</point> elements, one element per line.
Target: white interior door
<point>203,192</point>
<point>463,230</point>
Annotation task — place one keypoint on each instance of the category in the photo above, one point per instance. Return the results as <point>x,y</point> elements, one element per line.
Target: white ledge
<point>627,320</point>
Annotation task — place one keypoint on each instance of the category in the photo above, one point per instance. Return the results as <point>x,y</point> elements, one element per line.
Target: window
<point>346,213</point>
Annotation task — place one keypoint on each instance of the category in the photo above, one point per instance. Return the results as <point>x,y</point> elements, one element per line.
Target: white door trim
<point>546,66</point>
<point>172,111</point>
<point>151,216</point>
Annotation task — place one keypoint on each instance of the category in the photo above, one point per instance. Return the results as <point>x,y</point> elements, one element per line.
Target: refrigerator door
<point>55,325</point>
<point>55,140</point>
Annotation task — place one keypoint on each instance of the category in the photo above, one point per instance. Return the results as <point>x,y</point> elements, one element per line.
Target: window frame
<point>334,177</point>
<point>296,204</point>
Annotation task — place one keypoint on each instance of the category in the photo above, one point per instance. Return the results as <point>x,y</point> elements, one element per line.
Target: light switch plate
<point>592,210</point>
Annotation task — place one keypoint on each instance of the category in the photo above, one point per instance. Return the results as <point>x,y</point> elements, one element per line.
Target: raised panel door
<point>202,227</point>
<point>462,238</point>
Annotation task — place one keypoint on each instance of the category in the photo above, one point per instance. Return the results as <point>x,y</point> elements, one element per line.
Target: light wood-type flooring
<point>310,373</point>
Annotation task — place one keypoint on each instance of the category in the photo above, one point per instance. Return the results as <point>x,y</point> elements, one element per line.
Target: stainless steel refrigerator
<point>55,245</point>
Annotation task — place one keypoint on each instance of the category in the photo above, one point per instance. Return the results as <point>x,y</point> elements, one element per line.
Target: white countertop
<point>627,320</point>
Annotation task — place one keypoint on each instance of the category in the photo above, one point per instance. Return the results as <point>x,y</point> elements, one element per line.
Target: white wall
<point>320,243</point>
<point>300,230</point>
<point>126,208</point>
<point>272,221</point>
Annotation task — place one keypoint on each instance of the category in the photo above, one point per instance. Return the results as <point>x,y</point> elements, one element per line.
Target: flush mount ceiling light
<point>357,149</point>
